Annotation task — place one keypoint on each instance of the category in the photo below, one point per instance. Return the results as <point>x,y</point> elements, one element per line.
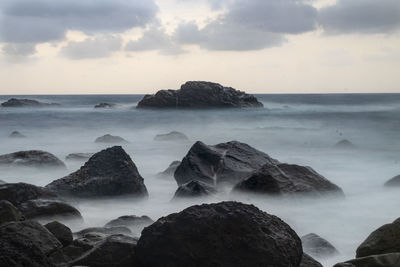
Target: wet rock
<point>16,134</point>
<point>26,243</point>
<point>229,163</point>
<point>199,94</point>
<point>31,158</point>
<point>383,260</point>
<point>110,172</point>
<point>318,247</point>
<point>171,136</point>
<point>110,139</point>
<point>9,213</point>
<point>385,239</point>
<point>222,234</point>
<point>79,156</point>
<point>130,221</point>
<point>88,240</point>
<point>18,193</point>
<point>105,105</point>
<point>286,179</point>
<point>308,261</point>
<point>105,230</point>
<point>395,181</point>
<point>19,102</point>
<point>344,144</point>
<point>170,170</point>
<point>61,232</point>
<point>194,189</point>
<point>43,208</point>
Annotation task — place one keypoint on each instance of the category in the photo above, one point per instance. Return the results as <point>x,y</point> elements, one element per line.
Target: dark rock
<point>26,243</point>
<point>229,162</point>
<point>199,94</point>
<point>111,139</point>
<point>385,239</point>
<point>87,240</point>
<point>194,189</point>
<point>285,179</point>
<point>16,134</point>
<point>14,102</point>
<point>43,208</point>
<point>61,232</point>
<point>79,156</point>
<point>171,136</point>
<point>308,261</point>
<point>223,234</point>
<point>395,181</point>
<point>110,172</point>
<point>31,158</point>
<point>170,170</point>
<point>130,221</point>
<point>317,246</point>
<point>344,144</point>
<point>105,230</point>
<point>2,182</point>
<point>105,105</point>
<point>383,260</point>
<point>114,251</point>
<point>9,213</point>
<point>20,192</point>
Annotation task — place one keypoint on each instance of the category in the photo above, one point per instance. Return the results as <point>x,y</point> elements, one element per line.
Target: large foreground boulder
<point>224,234</point>
<point>383,260</point>
<point>44,208</point>
<point>9,213</point>
<point>18,193</point>
<point>199,94</point>
<point>18,103</point>
<point>317,246</point>
<point>194,189</point>
<point>110,172</point>
<point>31,158</point>
<point>223,163</point>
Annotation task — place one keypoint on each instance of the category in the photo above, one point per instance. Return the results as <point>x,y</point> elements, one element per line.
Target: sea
<point>294,128</point>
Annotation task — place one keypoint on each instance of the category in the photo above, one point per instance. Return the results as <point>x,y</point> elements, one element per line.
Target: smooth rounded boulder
<point>317,246</point>
<point>110,139</point>
<point>61,232</point>
<point>44,208</point>
<point>31,158</point>
<point>130,221</point>
<point>230,234</point>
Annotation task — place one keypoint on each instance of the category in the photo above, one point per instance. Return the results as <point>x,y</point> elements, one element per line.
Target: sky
<point>141,46</point>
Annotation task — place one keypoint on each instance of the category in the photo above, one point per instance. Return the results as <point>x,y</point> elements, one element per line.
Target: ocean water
<point>300,129</point>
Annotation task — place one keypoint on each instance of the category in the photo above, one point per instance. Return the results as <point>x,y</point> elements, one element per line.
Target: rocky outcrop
<point>199,94</point>
<point>229,163</point>
<point>170,170</point>
<point>317,246</point>
<point>393,182</point>
<point>110,139</point>
<point>308,261</point>
<point>43,208</point>
<point>19,193</point>
<point>16,134</point>
<point>105,105</point>
<point>79,156</point>
<point>171,136</point>
<point>61,232</point>
<point>110,172</point>
<point>130,221</point>
<point>105,230</point>
<point>344,144</point>
<point>9,213</point>
<point>18,103</point>
<point>194,189</point>
<point>31,158</point>
<point>222,234</point>
<point>383,260</point>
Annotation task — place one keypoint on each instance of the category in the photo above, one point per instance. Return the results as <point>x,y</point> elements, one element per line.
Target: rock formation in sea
<point>17,103</point>
<point>111,139</point>
<point>171,136</point>
<point>105,105</point>
<point>31,158</point>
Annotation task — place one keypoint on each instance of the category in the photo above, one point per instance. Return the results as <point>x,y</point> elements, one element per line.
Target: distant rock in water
<point>317,246</point>
<point>130,221</point>
<point>344,144</point>
<point>225,234</point>
<point>31,158</point>
<point>79,156</point>
<point>110,172</point>
<point>16,134</point>
<point>199,94</point>
<point>194,189</point>
<point>105,105</point>
<point>395,181</point>
<point>108,138</point>
<point>170,170</point>
<point>14,102</point>
<point>171,136</point>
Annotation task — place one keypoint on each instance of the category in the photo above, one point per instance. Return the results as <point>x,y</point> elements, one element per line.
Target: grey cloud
<point>361,16</point>
<point>92,47</point>
<point>15,49</point>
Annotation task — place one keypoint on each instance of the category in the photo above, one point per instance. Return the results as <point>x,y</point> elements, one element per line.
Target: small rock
<point>170,170</point>
<point>9,213</point>
<point>344,144</point>
<point>111,139</point>
<point>61,232</point>
<point>79,156</point>
<point>16,134</point>
<point>318,247</point>
<point>14,102</point>
<point>171,136</point>
<point>194,189</point>
<point>31,158</point>
<point>105,105</point>
<point>130,221</point>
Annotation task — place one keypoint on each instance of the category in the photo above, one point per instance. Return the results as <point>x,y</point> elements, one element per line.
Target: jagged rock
<point>105,230</point>
<point>9,213</point>
<point>171,136</point>
<point>285,179</point>
<point>318,247</point>
<point>16,134</point>
<point>385,239</point>
<point>31,158</point>
<point>111,139</point>
<point>308,261</point>
<point>395,181</point>
<point>194,189</point>
<point>130,221</point>
<point>383,260</point>
<point>43,208</point>
<point>229,163</point>
<point>222,234</point>
<point>110,172</point>
<point>170,170</point>
<point>26,243</point>
<point>61,232</point>
<point>14,102</point>
<point>199,94</point>
<point>79,156</point>
<point>105,105</point>
<point>20,192</point>
<point>344,144</point>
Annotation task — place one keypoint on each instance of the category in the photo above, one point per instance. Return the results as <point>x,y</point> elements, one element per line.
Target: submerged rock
<point>61,232</point>
<point>9,213</point>
<point>344,144</point>
<point>222,234</point>
<point>31,158</point>
<point>171,136</point>
<point>308,261</point>
<point>395,181</point>
<point>15,102</point>
<point>317,246</point>
<point>170,170</point>
<point>199,94</point>
<point>383,260</point>
<point>79,156</point>
<point>194,189</point>
<point>110,172</point>
<point>108,138</point>
<point>43,208</point>
<point>16,134</point>
<point>19,193</point>
<point>105,105</point>
<point>130,221</point>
